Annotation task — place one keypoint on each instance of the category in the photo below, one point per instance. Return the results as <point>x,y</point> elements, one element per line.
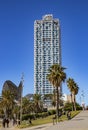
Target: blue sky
<point>17,40</point>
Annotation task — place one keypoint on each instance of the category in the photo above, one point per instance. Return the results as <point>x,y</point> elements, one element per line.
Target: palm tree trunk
<point>72,103</point>
<point>57,104</point>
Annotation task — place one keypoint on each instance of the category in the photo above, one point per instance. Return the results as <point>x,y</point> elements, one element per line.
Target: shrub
<point>52,112</point>
<point>34,116</point>
<point>27,116</point>
<point>68,106</point>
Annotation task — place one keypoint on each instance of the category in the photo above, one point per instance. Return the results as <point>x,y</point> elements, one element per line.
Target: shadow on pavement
<point>40,127</point>
<point>77,119</point>
<point>84,116</point>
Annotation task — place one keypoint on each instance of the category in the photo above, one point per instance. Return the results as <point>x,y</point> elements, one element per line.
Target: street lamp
<point>83,104</point>
<point>22,80</point>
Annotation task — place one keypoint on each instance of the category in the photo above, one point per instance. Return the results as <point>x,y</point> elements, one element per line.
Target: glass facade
<point>47,51</point>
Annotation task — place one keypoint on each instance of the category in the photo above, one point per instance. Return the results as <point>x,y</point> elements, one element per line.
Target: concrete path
<point>80,122</point>
<point>11,127</point>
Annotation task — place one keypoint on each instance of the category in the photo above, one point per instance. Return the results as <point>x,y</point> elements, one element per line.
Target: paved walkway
<point>11,127</point>
<point>80,122</point>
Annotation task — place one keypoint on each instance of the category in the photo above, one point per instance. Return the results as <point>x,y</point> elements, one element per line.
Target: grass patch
<point>46,120</point>
<point>0,122</point>
<point>74,113</point>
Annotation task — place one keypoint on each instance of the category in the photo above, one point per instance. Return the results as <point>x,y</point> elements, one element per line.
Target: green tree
<point>8,102</point>
<point>73,87</point>
<point>54,98</point>
<point>56,76</point>
<point>75,92</point>
<point>48,96</point>
<point>70,84</point>
<point>16,111</point>
<point>27,106</point>
<point>68,106</point>
<point>38,105</point>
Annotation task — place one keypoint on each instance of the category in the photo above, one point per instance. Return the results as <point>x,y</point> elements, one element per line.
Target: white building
<point>67,98</point>
<point>47,51</point>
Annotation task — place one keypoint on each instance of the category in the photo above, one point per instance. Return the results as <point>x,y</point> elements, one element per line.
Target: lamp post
<point>22,80</point>
<point>83,104</point>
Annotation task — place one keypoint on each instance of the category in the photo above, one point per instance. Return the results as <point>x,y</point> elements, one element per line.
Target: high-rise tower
<point>47,51</point>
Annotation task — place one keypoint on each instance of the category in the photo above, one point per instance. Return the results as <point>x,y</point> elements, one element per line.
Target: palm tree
<point>25,105</point>
<point>54,98</point>
<point>56,76</point>
<point>48,96</point>
<point>75,92</point>
<point>7,102</point>
<point>70,84</point>
<point>37,103</point>
<point>16,111</point>
<point>73,87</point>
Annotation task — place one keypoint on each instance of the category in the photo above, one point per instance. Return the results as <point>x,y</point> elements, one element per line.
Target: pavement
<point>79,122</point>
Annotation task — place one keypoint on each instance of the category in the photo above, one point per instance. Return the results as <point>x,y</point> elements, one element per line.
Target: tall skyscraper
<point>47,51</point>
